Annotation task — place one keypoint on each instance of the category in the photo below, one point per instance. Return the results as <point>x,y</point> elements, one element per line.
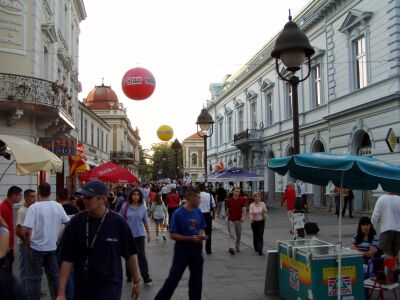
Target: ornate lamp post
<point>176,146</point>
<point>292,47</point>
<point>206,124</point>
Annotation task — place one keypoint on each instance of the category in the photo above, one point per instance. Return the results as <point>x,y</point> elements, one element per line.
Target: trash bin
<point>308,270</point>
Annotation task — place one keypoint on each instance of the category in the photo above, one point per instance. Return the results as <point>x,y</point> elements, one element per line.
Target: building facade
<point>193,157</point>
<point>39,78</point>
<point>347,105</point>
<point>94,136</point>
<point>124,141</point>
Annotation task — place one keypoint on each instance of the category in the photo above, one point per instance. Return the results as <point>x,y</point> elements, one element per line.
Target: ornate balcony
<point>121,156</point>
<point>19,92</point>
<point>247,139</point>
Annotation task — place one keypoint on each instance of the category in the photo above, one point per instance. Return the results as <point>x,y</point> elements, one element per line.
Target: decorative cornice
<point>251,95</point>
<point>266,84</point>
<point>354,18</point>
<point>228,110</point>
<point>238,103</point>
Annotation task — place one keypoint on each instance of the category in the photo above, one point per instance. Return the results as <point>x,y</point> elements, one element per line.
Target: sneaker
<point>232,251</point>
<point>156,238</point>
<point>260,253</point>
<point>148,282</point>
<point>164,238</point>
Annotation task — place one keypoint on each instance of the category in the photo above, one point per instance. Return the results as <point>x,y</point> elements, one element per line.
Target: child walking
<point>159,215</point>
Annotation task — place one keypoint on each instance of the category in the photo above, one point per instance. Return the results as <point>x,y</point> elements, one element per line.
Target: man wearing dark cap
<point>93,243</point>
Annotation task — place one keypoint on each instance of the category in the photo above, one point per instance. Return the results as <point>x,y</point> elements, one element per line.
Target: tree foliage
<point>165,168</point>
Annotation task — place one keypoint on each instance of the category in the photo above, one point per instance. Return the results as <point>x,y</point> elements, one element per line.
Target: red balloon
<point>138,84</point>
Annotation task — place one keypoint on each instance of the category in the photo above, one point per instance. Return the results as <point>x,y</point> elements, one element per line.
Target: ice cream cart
<point>308,270</point>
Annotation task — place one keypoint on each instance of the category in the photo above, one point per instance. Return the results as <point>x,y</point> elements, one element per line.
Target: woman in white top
<point>258,214</point>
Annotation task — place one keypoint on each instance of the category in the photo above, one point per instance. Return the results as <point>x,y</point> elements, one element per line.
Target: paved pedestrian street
<point>240,276</point>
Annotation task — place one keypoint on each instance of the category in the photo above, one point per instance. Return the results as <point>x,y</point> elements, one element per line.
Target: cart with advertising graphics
<point>308,270</point>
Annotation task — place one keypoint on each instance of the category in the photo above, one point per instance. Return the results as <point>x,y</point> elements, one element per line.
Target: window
<point>106,142</point>
<point>92,134</point>
<point>360,62</point>
<point>268,100</point>
<point>98,137</point>
<point>289,101</point>
<point>102,140</point>
<point>229,124</point>
<point>221,133</point>
<point>85,131</point>
<point>254,115</point>
<point>316,85</point>
<point>194,159</point>
<point>240,120</point>
<point>45,63</point>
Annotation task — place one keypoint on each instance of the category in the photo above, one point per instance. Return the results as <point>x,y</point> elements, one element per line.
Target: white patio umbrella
<point>29,157</point>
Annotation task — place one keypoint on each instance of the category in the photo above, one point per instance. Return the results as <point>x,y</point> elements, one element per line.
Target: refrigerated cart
<point>308,270</point>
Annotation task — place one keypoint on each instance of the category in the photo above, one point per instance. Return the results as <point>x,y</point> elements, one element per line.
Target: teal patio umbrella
<point>344,170</point>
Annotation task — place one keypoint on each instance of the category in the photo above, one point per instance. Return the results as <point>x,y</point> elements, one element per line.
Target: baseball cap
<point>93,188</point>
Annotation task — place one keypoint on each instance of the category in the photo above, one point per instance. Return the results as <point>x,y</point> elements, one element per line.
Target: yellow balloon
<point>165,132</point>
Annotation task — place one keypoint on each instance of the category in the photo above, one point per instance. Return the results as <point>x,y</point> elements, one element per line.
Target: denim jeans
<point>337,204</point>
<point>186,254</point>
<point>36,261</point>
<point>221,208</point>
<point>22,267</point>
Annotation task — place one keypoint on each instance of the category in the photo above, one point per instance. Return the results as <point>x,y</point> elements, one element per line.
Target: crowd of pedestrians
<point>78,239</point>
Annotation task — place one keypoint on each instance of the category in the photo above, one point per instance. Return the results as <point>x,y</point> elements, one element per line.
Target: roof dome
<point>102,97</point>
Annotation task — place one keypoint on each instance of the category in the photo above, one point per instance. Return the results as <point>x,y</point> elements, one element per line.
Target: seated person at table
<point>366,241</point>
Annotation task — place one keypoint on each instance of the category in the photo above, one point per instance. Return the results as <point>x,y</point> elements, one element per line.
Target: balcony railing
<point>33,90</point>
<point>121,155</point>
<point>247,135</point>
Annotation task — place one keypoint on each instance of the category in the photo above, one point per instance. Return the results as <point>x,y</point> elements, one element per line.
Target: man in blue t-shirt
<point>187,229</point>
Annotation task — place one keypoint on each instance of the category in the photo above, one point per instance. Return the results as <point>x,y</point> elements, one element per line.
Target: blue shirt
<point>187,223</point>
<point>135,218</point>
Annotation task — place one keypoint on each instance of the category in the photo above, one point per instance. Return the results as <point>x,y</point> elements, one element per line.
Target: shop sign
<point>92,150</point>
<point>60,146</point>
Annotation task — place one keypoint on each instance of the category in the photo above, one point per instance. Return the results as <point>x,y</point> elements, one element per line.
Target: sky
<point>185,44</point>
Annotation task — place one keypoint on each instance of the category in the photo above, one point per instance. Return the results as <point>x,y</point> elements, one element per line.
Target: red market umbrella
<point>109,172</point>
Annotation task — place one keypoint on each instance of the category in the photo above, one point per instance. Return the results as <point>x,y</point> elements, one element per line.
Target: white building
<point>346,106</point>
<point>39,77</point>
<point>193,157</point>
<point>94,135</point>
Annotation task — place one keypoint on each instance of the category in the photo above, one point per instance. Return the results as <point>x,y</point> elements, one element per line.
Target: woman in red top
<point>289,196</point>
<point>173,201</point>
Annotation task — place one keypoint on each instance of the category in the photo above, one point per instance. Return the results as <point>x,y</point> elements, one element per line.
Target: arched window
<point>194,159</point>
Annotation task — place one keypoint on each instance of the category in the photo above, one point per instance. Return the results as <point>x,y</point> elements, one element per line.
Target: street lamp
<point>206,124</point>
<point>292,47</point>
<point>176,146</point>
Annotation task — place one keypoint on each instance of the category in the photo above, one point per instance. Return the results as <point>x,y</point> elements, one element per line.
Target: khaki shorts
<point>389,242</point>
